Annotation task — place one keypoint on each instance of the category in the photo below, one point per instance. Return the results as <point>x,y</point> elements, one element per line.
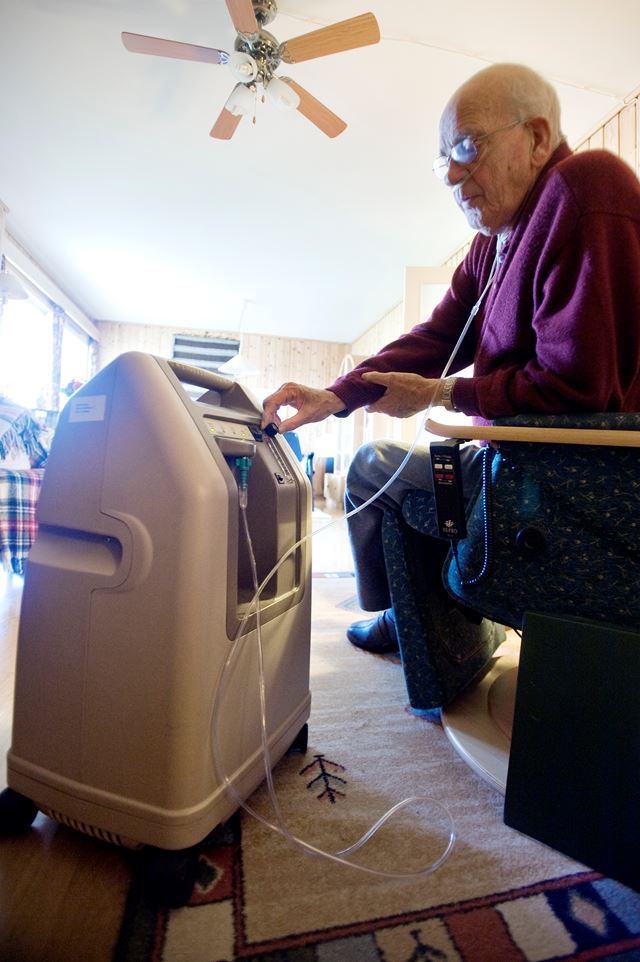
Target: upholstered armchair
<point>555,530</point>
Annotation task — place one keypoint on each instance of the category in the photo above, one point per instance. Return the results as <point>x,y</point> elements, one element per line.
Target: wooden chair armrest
<point>491,432</point>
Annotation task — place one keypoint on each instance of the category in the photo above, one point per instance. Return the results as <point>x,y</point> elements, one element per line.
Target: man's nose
<point>456,174</point>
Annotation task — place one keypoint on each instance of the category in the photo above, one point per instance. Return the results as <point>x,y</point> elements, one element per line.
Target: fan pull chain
<point>255,104</point>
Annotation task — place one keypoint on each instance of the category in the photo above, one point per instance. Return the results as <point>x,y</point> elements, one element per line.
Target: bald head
<point>509,91</point>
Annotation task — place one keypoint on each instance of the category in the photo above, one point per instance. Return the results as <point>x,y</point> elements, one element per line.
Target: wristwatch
<point>446,399</point>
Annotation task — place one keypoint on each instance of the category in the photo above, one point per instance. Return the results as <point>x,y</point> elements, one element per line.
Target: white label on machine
<point>88,408</point>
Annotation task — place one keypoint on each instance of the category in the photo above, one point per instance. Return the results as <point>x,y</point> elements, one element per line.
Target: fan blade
<point>225,126</point>
<point>242,15</point>
<point>317,113</point>
<point>345,35</point>
<point>138,43</point>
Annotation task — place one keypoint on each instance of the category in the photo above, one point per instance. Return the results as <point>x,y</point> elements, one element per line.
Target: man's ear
<point>541,147</point>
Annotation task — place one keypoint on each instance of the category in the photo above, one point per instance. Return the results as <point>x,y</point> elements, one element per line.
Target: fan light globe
<point>282,95</point>
<point>242,66</point>
<point>240,100</point>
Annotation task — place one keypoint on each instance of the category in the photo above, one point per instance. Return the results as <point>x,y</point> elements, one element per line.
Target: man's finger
<point>291,424</point>
<point>269,417</point>
<point>283,396</point>
<point>269,414</point>
<point>377,377</point>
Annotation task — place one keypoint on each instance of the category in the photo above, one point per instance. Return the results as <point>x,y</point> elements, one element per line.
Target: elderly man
<point>555,267</point>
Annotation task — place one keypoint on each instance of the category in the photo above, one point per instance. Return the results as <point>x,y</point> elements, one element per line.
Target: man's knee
<point>372,465</point>
<point>365,458</point>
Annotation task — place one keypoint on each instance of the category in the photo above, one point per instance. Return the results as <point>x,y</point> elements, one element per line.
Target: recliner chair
<point>560,535</point>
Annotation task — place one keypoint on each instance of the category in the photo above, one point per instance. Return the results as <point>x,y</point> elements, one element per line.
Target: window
<point>32,371</point>
<point>26,353</point>
<point>74,360</point>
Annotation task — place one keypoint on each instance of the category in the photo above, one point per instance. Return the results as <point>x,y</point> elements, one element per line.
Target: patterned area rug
<point>499,897</point>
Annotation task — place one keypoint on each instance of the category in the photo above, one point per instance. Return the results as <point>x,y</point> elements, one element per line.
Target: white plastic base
<point>478,723</point>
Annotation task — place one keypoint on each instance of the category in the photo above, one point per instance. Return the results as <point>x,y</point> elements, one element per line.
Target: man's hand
<point>405,394</point>
<point>312,404</point>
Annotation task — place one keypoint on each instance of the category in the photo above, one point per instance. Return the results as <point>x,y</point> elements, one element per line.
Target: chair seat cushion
<point>565,523</point>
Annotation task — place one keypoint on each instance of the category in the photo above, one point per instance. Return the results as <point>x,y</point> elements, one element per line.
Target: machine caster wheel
<point>301,741</point>
<point>17,812</point>
<point>169,877</point>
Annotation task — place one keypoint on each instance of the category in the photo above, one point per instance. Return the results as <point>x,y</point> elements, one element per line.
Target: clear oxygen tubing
<point>342,856</point>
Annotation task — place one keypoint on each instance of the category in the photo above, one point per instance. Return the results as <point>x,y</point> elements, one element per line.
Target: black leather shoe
<point>377,635</point>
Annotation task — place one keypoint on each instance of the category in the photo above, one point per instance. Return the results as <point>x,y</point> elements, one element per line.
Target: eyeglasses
<point>466,150</point>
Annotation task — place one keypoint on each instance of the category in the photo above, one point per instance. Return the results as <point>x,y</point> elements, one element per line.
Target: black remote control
<point>447,487</point>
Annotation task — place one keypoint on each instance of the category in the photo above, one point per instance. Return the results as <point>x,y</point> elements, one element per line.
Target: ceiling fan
<point>257,55</point>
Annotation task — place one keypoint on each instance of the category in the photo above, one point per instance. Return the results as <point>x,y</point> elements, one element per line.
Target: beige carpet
<point>499,897</point>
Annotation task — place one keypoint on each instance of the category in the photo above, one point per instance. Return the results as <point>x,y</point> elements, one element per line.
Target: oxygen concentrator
<point>136,586</point>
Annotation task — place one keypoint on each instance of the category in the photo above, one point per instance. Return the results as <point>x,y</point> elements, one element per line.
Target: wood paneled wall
<point>386,329</point>
<point>279,359</point>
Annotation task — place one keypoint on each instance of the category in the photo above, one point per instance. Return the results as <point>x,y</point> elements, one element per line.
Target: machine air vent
<point>111,837</point>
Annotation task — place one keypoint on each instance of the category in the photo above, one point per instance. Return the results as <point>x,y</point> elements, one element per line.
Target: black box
<point>574,767</point>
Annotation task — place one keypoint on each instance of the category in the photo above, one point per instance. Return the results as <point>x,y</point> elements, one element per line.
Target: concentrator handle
<point>201,378</point>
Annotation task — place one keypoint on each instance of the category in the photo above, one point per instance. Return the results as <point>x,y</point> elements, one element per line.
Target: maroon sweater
<point>559,329</point>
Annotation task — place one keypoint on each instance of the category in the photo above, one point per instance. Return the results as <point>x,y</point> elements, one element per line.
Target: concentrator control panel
<point>234,439</point>
<point>229,429</point>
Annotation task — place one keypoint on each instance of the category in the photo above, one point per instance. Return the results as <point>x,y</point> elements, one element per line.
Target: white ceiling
<point>115,187</point>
